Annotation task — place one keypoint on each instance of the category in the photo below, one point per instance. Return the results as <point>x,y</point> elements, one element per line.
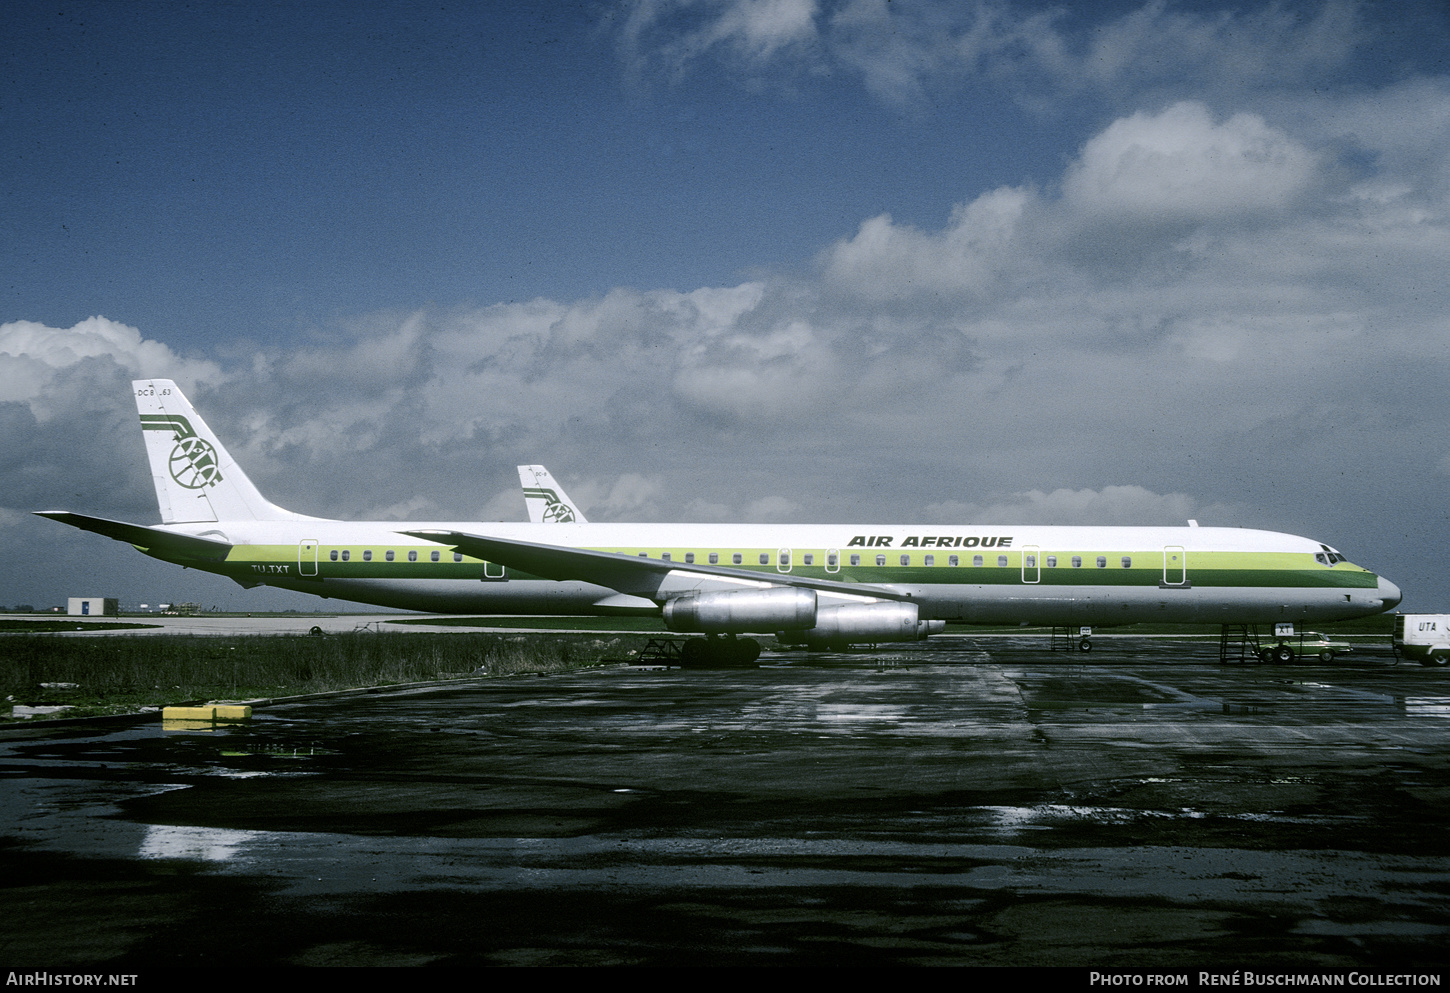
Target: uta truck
<point>1423,638</point>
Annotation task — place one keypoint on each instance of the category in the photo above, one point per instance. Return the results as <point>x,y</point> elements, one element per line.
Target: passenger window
<point>714,558</point>
<point>1077,561</point>
<point>388,555</point>
<point>784,560</point>
<point>433,556</point>
<point>412,556</point>
<point>1102,561</point>
<point>976,560</point>
<point>1028,562</point>
<point>665,557</point>
<point>737,558</point>
<point>1052,561</point>
<point>689,558</point>
<point>368,555</point>
<point>765,558</point>
<point>346,554</point>
<point>855,560</point>
<point>810,559</point>
<point>457,556</point>
<point>1127,562</point>
<point>881,560</point>
<point>906,560</point>
<point>332,555</point>
<point>1001,561</point>
<point>832,560</point>
<point>929,560</point>
<point>952,561</point>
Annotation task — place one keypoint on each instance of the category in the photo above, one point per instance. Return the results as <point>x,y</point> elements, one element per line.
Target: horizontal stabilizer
<point>165,542</point>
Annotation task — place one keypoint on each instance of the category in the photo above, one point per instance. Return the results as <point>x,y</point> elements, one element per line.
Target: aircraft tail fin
<point>546,499</point>
<point>196,480</point>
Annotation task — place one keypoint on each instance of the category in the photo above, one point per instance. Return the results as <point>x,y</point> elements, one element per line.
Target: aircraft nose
<point>1390,594</point>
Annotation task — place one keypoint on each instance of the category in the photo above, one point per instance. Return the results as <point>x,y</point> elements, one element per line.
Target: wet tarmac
<point>976,801</point>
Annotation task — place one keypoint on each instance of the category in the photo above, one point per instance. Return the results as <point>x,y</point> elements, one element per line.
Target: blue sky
<point>264,168</point>
<point>733,260</point>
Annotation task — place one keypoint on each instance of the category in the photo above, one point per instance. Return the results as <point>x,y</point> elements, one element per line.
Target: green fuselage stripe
<point>1205,568</point>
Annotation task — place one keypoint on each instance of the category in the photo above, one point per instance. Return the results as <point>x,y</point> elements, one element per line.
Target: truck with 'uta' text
<point>1423,638</point>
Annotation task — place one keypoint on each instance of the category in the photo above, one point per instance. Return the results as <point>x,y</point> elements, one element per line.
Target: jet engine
<point>742,611</point>
<point>858,622</point>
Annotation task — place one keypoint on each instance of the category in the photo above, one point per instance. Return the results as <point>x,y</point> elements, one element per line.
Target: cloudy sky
<point>756,260</point>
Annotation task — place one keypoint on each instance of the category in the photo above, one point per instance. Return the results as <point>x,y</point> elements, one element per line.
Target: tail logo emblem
<point>554,510</point>
<point>193,462</point>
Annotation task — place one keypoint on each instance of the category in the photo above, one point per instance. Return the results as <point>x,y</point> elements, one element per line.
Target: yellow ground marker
<point>209,713</point>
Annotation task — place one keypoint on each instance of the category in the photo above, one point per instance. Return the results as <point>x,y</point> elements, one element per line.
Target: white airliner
<point>823,584</point>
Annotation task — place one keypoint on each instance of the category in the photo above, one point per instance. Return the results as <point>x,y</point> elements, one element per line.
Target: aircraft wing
<point>631,574</point>
<point>166,542</point>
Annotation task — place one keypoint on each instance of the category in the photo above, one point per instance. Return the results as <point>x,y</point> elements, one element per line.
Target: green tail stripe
<point>168,422</point>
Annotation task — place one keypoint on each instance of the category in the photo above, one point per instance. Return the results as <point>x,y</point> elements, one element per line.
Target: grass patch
<point>124,675</point>
<point>43,626</point>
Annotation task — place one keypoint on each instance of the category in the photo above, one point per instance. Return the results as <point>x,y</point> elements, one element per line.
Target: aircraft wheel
<point>1283,654</point>
<point>747,650</point>
<point>696,651</point>
<point>1085,645</point>
<point>1266,655</point>
<point>1326,656</point>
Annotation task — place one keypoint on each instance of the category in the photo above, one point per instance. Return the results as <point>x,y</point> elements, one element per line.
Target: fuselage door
<point>833,560</point>
<point>1175,565</point>
<point>1031,563</point>
<point>307,557</point>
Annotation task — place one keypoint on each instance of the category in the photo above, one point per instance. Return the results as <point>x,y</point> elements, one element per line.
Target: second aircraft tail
<point>546,499</point>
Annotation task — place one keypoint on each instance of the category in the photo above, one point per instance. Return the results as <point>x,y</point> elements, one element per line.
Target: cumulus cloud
<point>1180,165</point>
<point>69,419</point>
<point>980,247</point>
<point>32,356</point>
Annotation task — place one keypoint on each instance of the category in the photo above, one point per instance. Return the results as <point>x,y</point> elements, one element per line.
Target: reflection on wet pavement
<point>971,801</point>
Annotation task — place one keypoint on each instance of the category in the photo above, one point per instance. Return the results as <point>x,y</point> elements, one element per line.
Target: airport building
<point>93,606</point>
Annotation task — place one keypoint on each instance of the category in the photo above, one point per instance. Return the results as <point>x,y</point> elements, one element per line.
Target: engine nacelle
<point>743,611</point>
<point>858,622</point>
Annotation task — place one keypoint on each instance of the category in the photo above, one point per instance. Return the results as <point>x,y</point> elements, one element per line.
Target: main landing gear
<point>710,652</point>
